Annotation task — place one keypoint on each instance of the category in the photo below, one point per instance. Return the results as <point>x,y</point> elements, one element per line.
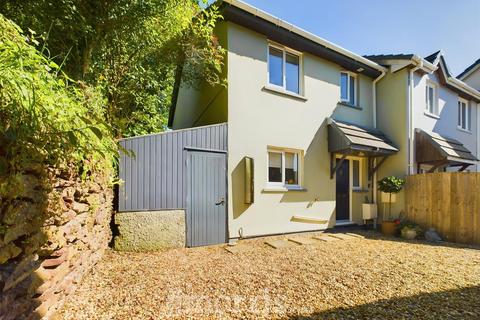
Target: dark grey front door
<point>343,191</point>
<point>206,198</point>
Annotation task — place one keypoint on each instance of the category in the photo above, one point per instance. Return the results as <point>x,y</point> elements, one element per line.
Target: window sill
<point>464,130</point>
<point>346,104</point>
<point>431,115</point>
<point>284,92</point>
<point>283,189</point>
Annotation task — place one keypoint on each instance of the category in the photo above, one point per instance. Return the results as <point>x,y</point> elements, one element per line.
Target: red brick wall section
<point>55,232</point>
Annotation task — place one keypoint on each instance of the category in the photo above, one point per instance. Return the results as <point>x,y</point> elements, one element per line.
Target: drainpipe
<point>411,127</point>
<point>477,110</point>
<point>374,106</point>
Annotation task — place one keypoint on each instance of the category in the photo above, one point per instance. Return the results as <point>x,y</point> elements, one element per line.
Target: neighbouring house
<point>471,75</point>
<point>431,115</point>
<point>298,137</point>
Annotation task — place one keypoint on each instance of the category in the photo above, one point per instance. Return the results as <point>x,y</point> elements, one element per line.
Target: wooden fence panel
<point>446,201</point>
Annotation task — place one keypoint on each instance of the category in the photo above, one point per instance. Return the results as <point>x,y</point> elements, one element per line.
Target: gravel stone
<point>370,278</point>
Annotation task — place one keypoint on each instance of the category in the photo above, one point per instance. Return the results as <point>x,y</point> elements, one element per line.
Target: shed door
<point>206,198</point>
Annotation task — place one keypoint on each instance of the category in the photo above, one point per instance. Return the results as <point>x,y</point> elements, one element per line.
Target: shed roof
<point>353,139</point>
<point>432,147</point>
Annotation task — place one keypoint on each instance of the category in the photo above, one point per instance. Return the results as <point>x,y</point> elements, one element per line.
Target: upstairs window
<point>464,115</point>
<point>348,88</point>
<point>431,100</point>
<point>284,69</point>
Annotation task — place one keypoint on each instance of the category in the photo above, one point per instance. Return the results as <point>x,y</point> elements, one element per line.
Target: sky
<point>385,26</point>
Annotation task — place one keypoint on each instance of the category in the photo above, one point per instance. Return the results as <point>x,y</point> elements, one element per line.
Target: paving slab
<point>325,238</point>
<point>341,236</point>
<point>277,244</point>
<point>301,240</point>
<point>356,235</point>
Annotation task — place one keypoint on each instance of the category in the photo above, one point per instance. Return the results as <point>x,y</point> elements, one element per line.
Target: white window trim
<point>360,173</point>
<point>282,186</point>
<point>347,101</point>
<point>436,110</point>
<point>283,88</point>
<point>467,121</point>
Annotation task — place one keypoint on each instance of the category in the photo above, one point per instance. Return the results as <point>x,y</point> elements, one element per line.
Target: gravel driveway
<point>362,278</point>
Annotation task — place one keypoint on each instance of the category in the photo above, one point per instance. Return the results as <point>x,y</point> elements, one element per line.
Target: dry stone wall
<point>53,231</point>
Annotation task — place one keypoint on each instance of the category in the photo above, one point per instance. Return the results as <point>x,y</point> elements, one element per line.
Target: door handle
<point>220,202</point>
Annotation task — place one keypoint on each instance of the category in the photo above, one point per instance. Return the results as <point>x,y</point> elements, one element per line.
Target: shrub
<point>46,119</point>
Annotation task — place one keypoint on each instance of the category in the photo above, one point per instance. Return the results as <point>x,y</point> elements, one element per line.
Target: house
<point>431,115</point>
<point>298,138</point>
<point>302,111</point>
<point>471,75</point>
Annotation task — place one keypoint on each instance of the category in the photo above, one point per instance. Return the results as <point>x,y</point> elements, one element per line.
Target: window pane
<point>291,168</point>
<point>352,91</point>
<point>293,73</point>
<point>464,115</point>
<point>430,100</point>
<point>459,114</point>
<point>469,117</point>
<point>356,173</point>
<point>344,86</point>
<point>275,66</point>
<point>274,167</point>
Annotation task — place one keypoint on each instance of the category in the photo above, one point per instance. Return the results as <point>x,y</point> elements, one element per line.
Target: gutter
<point>303,33</point>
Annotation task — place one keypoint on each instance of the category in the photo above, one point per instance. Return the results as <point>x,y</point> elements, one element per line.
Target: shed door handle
<point>220,202</point>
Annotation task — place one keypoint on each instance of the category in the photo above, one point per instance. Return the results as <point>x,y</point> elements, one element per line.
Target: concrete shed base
<point>150,230</point>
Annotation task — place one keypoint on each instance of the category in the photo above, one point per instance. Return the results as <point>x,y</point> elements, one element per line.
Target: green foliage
<point>128,48</point>
<point>45,120</point>
<point>391,184</point>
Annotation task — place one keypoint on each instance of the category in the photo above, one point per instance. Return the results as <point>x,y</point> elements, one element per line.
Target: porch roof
<point>347,138</point>
<point>433,148</point>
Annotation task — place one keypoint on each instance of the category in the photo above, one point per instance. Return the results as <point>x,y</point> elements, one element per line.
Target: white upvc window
<point>464,115</point>
<point>356,166</point>
<point>348,87</point>
<point>284,168</point>
<point>431,99</point>
<point>285,69</point>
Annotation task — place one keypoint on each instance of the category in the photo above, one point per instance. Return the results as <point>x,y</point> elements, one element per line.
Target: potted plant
<point>391,186</point>
<point>410,230</point>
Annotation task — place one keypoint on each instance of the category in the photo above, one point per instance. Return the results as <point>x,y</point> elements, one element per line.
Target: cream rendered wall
<point>392,120</point>
<point>204,104</point>
<point>258,119</point>
<point>446,123</point>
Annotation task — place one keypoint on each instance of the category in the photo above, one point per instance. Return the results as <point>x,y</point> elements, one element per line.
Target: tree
<point>128,48</point>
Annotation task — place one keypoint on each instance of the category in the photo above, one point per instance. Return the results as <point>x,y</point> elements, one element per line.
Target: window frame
<point>283,185</point>
<point>355,88</point>
<point>468,112</point>
<point>360,173</point>
<point>436,110</point>
<point>290,51</point>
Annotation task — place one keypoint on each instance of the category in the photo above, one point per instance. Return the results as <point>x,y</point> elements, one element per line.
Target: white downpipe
<point>411,127</point>
<point>374,106</point>
<point>478,134</point>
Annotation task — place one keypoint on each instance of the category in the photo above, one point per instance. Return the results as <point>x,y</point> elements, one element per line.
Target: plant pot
<point>389,228</point>
<point>409,234</point>
<point>385,197</point>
